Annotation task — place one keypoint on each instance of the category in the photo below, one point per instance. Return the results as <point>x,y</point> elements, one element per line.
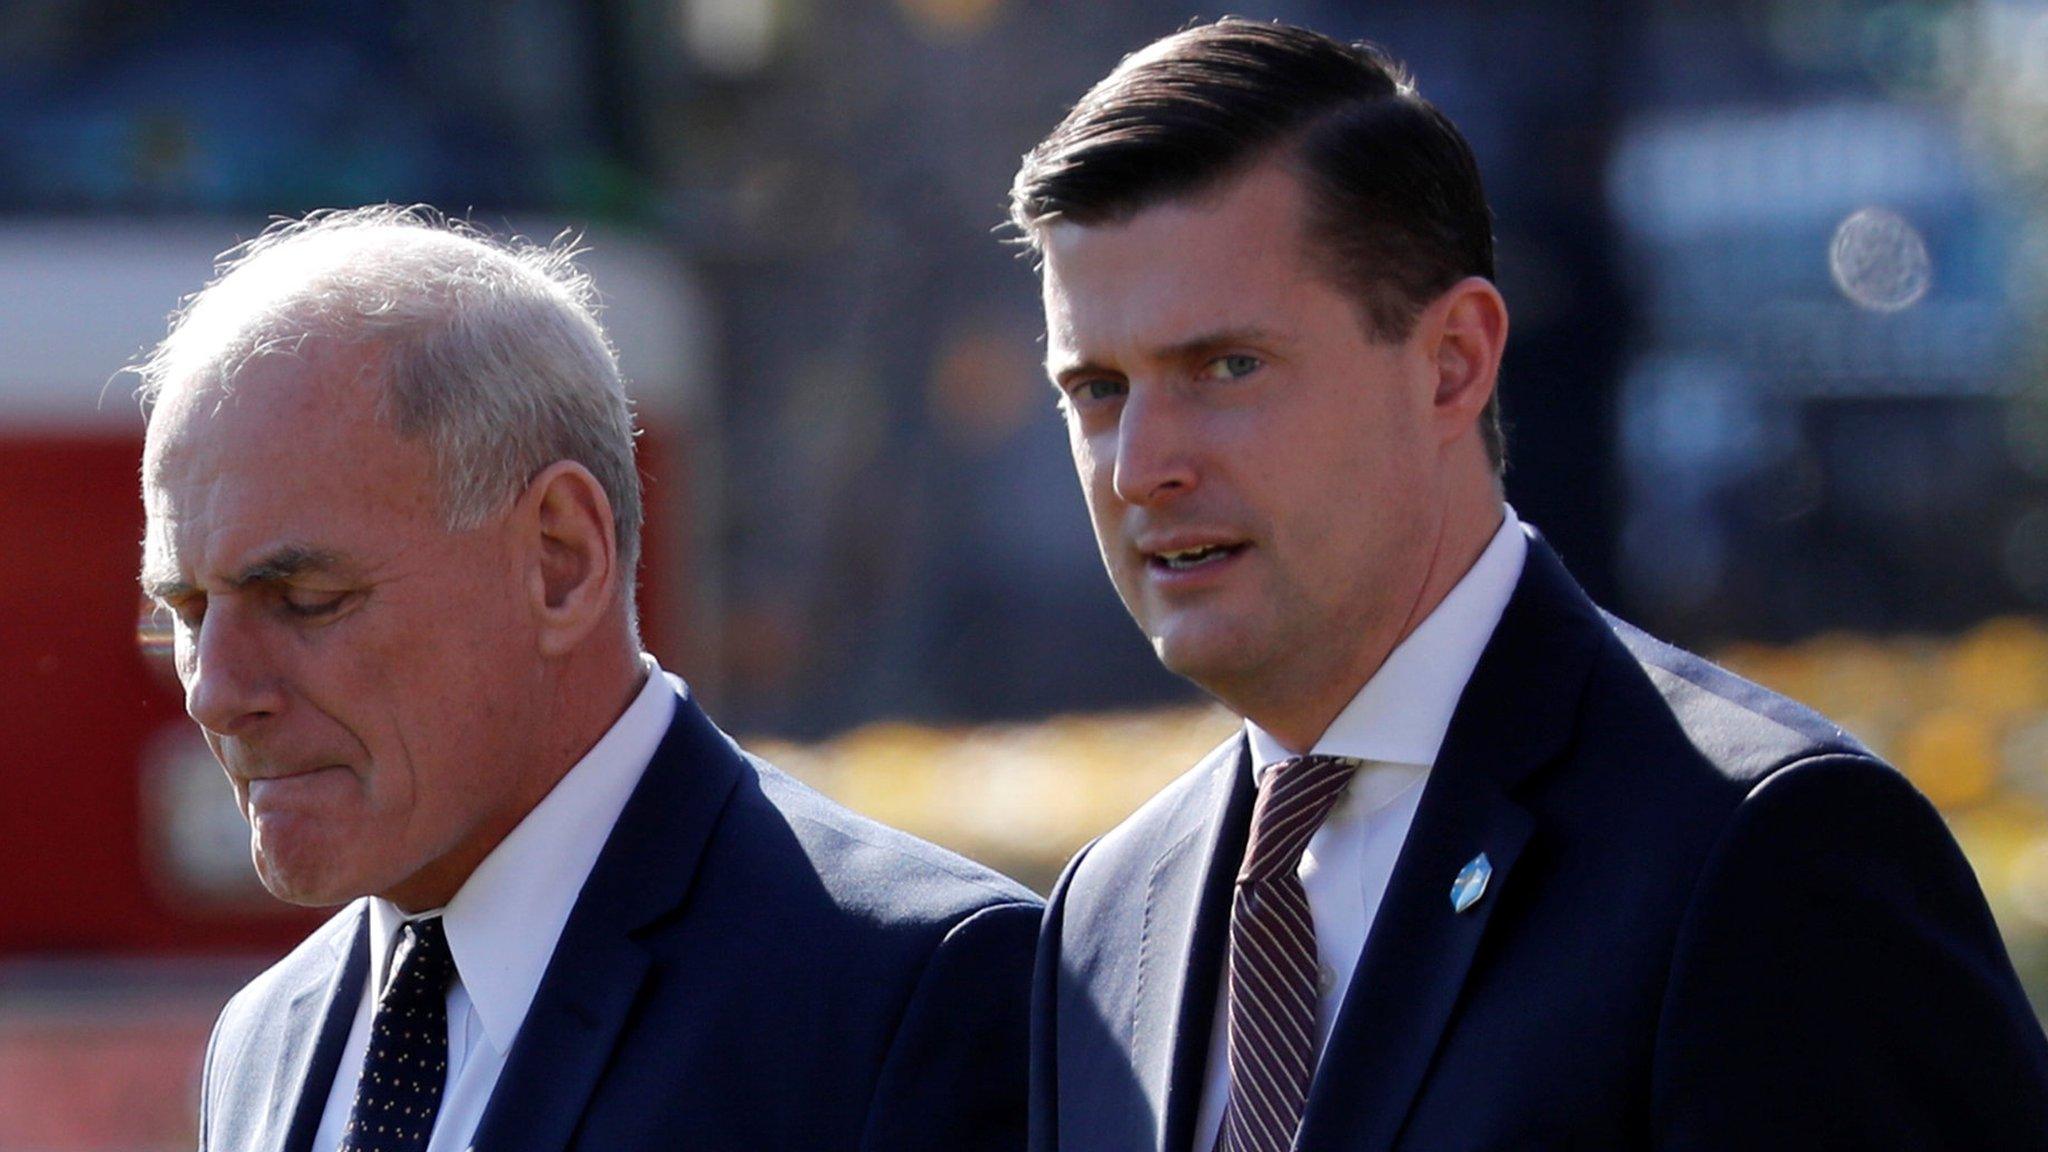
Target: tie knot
<point>422,963</point>
<point>1294,799</point>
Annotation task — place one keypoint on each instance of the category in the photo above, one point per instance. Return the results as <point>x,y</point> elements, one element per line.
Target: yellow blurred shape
<point>2028,883</point>
<point>1997,835</point>
<point>1966,718</point>
<point>1999,669</point>
<point>1950,754</point>
<point>1860,675</point>
<point>2026,753</point>
<point>1023,797</point>
<point>1869,687</point>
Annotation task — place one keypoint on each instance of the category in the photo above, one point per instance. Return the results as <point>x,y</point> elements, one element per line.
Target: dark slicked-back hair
<point>1396,211</point>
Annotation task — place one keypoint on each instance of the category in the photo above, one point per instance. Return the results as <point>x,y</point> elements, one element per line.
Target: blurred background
<point>1778,390</point>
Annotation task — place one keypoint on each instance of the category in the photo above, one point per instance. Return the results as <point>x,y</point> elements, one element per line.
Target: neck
<point>576,702</point>
<point>1297,715</point>
<point>585,696</point>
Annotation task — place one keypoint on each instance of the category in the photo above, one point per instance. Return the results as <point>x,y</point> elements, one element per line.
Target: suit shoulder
<point>1745,730</point>
<point>884,869</point>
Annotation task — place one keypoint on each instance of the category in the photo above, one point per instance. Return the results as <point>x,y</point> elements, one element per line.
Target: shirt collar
<point>505,920</point>
<point>1401,714</point>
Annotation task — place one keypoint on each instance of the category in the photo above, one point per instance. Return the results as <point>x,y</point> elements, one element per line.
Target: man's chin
<point>301,885</point>
<point>1210,661</point>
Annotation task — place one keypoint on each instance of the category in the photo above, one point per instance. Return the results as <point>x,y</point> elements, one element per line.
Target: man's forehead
<point>199,535</point>
<point>301,395</point>
<point>298,366</point>
<point>197,532</point>
<point>1156,299</point>
<point>292,454</point>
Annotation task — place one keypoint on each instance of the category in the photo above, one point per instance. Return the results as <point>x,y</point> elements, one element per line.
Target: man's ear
<point>1469,329</point>
<point>574,576</point>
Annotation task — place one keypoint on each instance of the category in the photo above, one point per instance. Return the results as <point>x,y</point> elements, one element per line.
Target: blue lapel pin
<point>1471,883</point>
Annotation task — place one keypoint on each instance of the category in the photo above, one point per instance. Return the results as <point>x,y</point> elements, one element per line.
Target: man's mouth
<point>1187,559</point>
<point>275,795</point>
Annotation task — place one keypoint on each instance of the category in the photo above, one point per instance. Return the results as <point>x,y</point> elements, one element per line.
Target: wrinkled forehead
<point>296,451</point>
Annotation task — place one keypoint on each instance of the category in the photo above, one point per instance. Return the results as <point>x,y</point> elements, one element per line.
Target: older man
<point>392,507</point>
<point>1486,868</point>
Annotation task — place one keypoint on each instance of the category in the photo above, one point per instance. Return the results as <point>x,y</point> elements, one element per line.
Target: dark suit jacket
<point>748,967</point>
<point>1714,922</point>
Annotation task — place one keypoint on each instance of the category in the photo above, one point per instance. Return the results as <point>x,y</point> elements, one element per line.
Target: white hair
<point>491,350</point>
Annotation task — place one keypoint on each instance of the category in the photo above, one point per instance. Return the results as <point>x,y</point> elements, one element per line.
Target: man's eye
<point>1096,389</point>
<point>188,611</point>
<point>1231,367</point>
<point>312,605</point>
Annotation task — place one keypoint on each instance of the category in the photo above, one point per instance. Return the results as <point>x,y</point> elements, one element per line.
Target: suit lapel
<point>1516,714</point>
<point>1139,951</point>
<point>585,997</point>
<point>313,1032</point>
<point>1188,919</point>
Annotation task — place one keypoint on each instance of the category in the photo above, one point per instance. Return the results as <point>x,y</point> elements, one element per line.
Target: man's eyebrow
<point>283,564</point>
<point>1060,372</point>
<point>1216,341</point>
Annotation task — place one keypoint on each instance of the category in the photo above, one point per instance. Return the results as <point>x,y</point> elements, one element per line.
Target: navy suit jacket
<point>1714,922</point>
<point>748,967</point>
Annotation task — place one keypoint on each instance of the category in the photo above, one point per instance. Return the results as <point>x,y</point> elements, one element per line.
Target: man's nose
<point>230,682</point>
<point>1154,448</point>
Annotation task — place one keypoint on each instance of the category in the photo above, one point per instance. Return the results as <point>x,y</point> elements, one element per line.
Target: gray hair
<point>491,349</point>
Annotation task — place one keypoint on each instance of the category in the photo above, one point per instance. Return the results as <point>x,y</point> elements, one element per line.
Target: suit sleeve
<point>955,1073</point>
<point>1838,982</point>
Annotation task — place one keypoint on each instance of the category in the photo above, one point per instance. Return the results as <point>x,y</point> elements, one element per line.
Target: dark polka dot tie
<point>407,1061</point>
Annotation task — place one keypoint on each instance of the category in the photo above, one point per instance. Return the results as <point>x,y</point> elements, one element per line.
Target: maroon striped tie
<point>1273,958</point>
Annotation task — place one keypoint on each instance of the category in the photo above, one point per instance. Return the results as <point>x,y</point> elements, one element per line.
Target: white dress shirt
<point>1396,725</point>
<point>503,923</point>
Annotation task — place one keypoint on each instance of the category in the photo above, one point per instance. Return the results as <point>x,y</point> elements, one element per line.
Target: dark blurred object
<point>1814,424</point>
<point>213,105</point>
